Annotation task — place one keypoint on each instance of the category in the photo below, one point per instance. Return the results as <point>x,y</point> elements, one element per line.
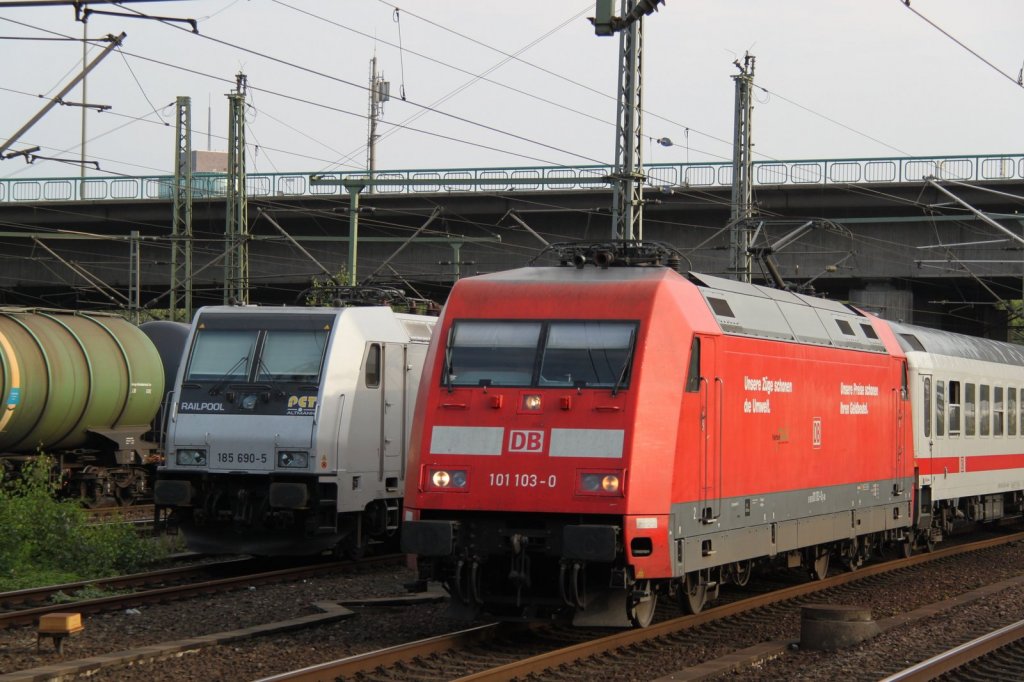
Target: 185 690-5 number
<point>241,458</point>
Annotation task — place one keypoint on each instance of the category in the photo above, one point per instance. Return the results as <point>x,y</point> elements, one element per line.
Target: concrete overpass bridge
<point>887,240</point>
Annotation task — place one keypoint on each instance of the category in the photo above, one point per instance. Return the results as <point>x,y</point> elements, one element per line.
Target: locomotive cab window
<point>576,353</point>
<point>222,355</point>
<point>373,366</point>
<point>292,355</point>
<point>495,353</point>
<point>591,353</point>
<point>693,372</point>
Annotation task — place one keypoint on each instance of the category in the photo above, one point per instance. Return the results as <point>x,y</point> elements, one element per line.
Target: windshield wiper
<point>626,363</point>
<point>242,361</point>
<point>448,360</point>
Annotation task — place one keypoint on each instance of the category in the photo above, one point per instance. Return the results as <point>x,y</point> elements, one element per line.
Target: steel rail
<point>31,615</point>
<point>538,664</point>
<point>38,594</point>
<point>364,663</point>
<point>960,655</point>
<point>347,667</point>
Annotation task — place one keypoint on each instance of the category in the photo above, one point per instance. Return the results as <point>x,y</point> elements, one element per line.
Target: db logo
<point>526,441</point>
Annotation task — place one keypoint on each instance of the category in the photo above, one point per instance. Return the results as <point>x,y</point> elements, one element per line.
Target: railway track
<point>996,655</point>
<point>26,606</point>
<point>137,514</point>
<point>505,651</point>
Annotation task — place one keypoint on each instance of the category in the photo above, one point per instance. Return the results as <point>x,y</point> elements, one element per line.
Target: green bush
<point>44,541</point>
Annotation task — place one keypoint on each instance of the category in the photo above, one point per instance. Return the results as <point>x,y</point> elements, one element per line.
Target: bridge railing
<point>661,175</point>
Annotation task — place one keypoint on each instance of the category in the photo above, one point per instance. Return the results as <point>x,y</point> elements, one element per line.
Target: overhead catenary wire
<point>365,88</point>
<point>687,128</point>
<point>1015,81</point>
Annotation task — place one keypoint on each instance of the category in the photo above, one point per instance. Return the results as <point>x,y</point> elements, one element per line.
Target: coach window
<point>373,366</point>
<point>969,409</point>
<point>954,408</point>
<point>1011,411</point>
<point>997,410</point>
<point>927,404</point>
<point>693,373</point>
<point>984,410</point>
<point>1020,406</point>
<point>940,408</point>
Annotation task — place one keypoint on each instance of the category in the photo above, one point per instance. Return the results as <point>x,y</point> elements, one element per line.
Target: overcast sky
<point>490,83</point>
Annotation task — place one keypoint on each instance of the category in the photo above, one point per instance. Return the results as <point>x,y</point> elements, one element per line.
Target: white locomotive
<point>288,428</point>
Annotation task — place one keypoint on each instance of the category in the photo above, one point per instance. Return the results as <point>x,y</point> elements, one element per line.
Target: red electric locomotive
<point>588,438</point>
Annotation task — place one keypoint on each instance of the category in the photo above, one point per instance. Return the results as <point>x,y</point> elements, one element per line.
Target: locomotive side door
<point>393,417</point>
<point>901,398</point>
<point>710,455</point>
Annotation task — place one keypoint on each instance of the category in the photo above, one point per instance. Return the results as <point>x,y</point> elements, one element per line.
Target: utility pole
<point>85,98</point>
<point>628,199</point>
<point>627,196</point>
<point>379,93</point>
<point>181,227</point>
<point>742,167</point>
<point>134,278</point>
<point>236,229</point>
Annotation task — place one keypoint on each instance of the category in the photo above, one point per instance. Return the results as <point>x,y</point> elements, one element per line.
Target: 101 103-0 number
<point>523,481</point>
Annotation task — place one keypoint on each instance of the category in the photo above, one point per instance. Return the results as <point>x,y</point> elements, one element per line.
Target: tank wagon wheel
<point>819,568</point>
<point>640,603</point>
<point>742,571</point>
<point>694,593</point>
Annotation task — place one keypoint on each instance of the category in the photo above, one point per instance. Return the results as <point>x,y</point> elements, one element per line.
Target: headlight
<point>293,459</point>
<point>449,479</point>
<point>600,483</point>
<point>531,403</point>
<point>191,457</point>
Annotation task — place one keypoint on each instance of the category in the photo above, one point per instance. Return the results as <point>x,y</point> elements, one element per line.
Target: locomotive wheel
<point>571,585</point>
<point>693,594</point>
<point>853,557</point>
<point>640,604</point>
<point>819,570</point>
<point>742,571</point>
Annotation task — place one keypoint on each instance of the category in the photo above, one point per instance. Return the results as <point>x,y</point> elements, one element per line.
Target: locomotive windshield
<point>495,353</point>
<point>291,356</point>
<point>271,348</point>
<point>222,355</point>
<point>591,353</point>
